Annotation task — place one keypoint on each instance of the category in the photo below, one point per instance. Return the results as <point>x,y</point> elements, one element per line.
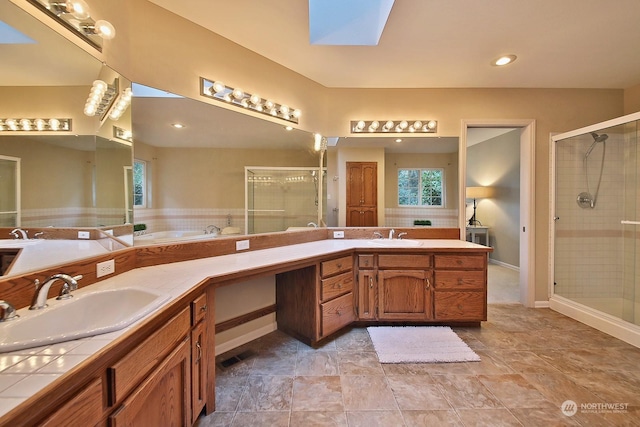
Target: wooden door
<point>362,194</point>
<point>404,295</point>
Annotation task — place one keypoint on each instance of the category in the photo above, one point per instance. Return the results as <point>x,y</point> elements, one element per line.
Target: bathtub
<point>160,237</point>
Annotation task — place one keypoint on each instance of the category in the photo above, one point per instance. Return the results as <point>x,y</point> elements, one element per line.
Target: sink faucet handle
<point>8,311</point>
<point>65,291</point>
<point>378,235</point>
<point>401,234</point>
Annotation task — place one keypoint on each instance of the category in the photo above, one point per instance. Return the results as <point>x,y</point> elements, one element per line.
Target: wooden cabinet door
<point>84,409</point>
<point>362,194</point>
<point>366,294</point>
<point>404,295</point>
<point>198,370</point>
<point>164,398</point>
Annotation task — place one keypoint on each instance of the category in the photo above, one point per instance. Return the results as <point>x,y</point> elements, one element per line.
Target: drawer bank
<point>161,369</point>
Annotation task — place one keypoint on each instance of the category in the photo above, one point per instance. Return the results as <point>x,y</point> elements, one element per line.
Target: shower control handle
<point>555,218</point>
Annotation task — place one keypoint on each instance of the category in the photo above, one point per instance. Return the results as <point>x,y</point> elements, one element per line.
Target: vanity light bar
<point>391,126</point>
<point>236,96</point>
<point>76,17</point>
<point>35,125</point>
<point>120,133</point>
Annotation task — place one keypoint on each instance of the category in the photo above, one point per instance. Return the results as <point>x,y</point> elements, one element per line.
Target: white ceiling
<point>445,43</point>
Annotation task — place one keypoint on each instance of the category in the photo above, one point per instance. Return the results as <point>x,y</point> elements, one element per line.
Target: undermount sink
<point>395,243</point>
<point>86,314</point>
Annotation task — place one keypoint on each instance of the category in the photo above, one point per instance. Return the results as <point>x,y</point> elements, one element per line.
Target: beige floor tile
<point>488,418</point>
<point>375,419</point>
<point>359,363</point>
<point>417,392</point>
<point>317,363</point>
<point>255,419</point>
<point>432,418</point>
<point>317,394</point>
<point>515,392</point>
<point>267,393</point>
<point>367,392</point>
<point>463,391</point>
<point>318,419</point>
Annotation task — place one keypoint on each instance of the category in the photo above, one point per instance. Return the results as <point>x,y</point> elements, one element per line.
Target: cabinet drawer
<point>471,261</point>
<point>337,313</point>
<point>335,266</point>
<point>336,285</point>
<point>365,261</point>
<point>404,261</point>
<point>460,306</point>
<point>198,309</point>
<point>135,366</point>
<point>459,279</point>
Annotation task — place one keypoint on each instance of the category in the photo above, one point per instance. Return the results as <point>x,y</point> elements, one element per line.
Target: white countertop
<point>42,253</point>
<point>25,372</point>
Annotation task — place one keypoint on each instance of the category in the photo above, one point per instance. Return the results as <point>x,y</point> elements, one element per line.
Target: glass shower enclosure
<point>280,198</point>
<point>595,225</point>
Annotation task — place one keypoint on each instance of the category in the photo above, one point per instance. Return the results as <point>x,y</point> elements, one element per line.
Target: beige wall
<point>632,99</point>
<point>208,177</point>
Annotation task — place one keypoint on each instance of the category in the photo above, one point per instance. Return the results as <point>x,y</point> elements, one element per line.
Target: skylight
<point>9,35</point>
<point>142,91</point>
<point>347,22</point>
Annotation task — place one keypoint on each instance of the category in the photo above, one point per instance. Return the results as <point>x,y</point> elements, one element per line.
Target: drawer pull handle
<point>199,347</point>
<point>460,281</point>
<point>203,308</point>
<point>339,265</point>
<point>371,282</point>
<point>338,313</point>
<point>428,283</point>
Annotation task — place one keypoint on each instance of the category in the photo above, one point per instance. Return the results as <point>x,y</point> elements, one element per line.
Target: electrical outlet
<point>84,235</point>
<point>242,245</point>
<point>105,268</point>
<point>338,234</point>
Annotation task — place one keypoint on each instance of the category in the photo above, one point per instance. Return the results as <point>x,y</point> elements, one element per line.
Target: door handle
<point>370,282</point>
<point>428,283</point>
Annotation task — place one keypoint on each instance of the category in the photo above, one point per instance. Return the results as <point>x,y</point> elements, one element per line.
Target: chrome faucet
<point>378,235</point>
<point>312,224</point>
<point>19,233</point>
<point>212,229</point>
<point>391,233</point>
<point>8,311</point>
<point>42,289</point>
<point>401,234</point>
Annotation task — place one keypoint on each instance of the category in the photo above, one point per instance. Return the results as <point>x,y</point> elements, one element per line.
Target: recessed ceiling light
<point>288,128</point>
<point>177,125</point>
<point>503,60</point>
<point>398,140</point>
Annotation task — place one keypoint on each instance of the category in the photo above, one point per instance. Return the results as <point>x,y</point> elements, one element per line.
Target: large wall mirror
<point>203,171</point>
<point>76,178</point>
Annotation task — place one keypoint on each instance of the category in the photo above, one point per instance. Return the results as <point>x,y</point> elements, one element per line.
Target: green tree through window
<point>420,187</point>
<point>139,183</point>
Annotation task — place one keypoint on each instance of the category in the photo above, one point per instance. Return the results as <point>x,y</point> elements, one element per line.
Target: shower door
<point>9,191</point>
<point>595,236</point>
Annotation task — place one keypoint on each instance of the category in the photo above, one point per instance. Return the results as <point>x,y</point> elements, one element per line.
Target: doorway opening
<point>525,236</point>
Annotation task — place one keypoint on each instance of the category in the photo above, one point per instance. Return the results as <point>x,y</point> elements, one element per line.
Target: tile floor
<point>533,360</point>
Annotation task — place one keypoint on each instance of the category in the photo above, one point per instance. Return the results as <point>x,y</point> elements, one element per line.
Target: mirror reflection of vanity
<point>56,183</point>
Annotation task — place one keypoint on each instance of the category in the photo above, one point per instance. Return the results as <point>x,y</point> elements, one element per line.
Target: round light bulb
<point>360,125</point>
<point>417,124</point>
<point>374,125</point>
<point>268,104</point>
<point>255,99</point>
<point>25,124</point>
<point>403,124</point>
<point>11,124</point>
<point>104,29</point>
<point>39,123</point>
<point>78,8</point>
<point>284,109</point>
<point>218,87</point>
<point>238,93</point>
<point>432,124</point>
<point>54,124</point>
<point>297,113</point>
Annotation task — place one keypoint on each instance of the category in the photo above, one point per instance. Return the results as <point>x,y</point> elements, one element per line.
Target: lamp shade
<point>480,192</point>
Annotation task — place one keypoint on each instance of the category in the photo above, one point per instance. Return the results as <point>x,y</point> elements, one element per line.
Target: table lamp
<point>478,193</point>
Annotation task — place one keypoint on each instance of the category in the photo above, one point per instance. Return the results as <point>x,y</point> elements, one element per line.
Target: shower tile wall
<point>588,254</point>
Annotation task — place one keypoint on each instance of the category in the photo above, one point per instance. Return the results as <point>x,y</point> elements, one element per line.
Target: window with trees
<point>421,187</point>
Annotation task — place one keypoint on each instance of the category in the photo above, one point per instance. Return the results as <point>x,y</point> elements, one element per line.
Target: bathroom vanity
<point>163,367</point>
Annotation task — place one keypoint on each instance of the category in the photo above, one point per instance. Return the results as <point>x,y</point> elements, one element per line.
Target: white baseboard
<point>541,304</point>
<point>504,264</point>
<point>237,342</point>
<point>604,322</point>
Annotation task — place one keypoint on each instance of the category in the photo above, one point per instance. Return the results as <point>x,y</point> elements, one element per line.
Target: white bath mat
<point>419,344</point>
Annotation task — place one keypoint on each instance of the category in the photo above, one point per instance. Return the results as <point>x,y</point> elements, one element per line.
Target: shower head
<point>596,139</point>
<point>599,138</point>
